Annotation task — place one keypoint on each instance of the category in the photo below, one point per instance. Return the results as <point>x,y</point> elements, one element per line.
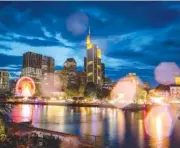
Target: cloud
<point>46,33</point>
<point>15,74</point>
<point>59,53</point>
<point>130,42</point>
<point>11,67</point>
<point>63,41</point>
<point>4,47</point>
<point>77,23</point>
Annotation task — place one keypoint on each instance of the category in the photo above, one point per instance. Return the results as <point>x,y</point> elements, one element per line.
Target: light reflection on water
<point>117,128</point>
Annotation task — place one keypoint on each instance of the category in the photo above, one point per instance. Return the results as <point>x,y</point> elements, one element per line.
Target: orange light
<point>25,84</point>
<point>99,53</point>
<point>177,80</point>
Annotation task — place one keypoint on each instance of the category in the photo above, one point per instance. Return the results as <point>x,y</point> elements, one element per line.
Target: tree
<point>4,111</point>
<point>102,93</point>
<point>81,90</point>
<point>90,90</point>
<point>141,95</point>
<point>72,90</point>
<point>38,90</point>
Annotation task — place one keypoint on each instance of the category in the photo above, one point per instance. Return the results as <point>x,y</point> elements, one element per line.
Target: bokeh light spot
<point>159,122</point>
<point>165,72</point>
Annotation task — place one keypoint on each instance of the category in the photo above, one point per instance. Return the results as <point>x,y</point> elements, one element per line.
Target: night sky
<point>133,36</point>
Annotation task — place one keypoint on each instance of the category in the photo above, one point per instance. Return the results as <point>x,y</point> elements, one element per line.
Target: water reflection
<point>116,128</point>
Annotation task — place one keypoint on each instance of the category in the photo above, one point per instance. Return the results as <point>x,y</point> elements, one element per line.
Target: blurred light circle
<point>165,72</point>
<point>21,86</point>
<point>77,23</point>
<point>159,122</point>
<point>124,92</point>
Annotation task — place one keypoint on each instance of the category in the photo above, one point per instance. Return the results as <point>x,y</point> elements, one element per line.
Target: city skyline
<point>130,41</point>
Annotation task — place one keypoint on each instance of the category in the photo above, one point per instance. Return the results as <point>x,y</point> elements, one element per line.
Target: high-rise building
<point>81,77</point>
<point>103,72</point>
<point>107,83</point>
<point>85,64</point>
<point>93,62</point>
<point>4,81</point>
<point>36,65</point>
<point>70,66</point>
<point>12,86</point>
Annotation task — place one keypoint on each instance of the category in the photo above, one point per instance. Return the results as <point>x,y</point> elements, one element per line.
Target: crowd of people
<point>32,140</point>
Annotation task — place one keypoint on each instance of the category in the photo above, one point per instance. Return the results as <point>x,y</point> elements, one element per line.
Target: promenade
<point>130,107</point>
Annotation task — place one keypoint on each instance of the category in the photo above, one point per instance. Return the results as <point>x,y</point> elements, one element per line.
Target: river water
<point>116,128</point>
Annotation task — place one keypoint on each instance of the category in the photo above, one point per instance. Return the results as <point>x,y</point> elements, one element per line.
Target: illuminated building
<point>70,66</point>
<point>162,91</point>
<point>177,80</point>
<point>93,62</point>
<point>107,83</point>
<point>63,77</point>
<point>103,72</point>
<point>146,85</point>
<point>36,65</point>
<point>81,77</point>
<point>4,81</point>
<point>12,86</point>
<point>85,64</point>
<point>175,91</point>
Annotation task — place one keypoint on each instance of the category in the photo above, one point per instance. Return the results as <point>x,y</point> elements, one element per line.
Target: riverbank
<point>131,107</point>
<point>60,104</point>
<point>26,135</point>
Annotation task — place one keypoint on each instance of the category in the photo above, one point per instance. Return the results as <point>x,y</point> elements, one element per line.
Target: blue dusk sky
<point>134,36</point>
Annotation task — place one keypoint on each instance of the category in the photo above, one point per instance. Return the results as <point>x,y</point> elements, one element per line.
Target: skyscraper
<point>36,65</point>
<point>70,66</point>
<point>4,81</point>
<point>84,64</point>
<point>93,62</point>
<point>103,72</point>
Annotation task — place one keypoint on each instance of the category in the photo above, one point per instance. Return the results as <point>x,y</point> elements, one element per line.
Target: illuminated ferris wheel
<point>25,87</point>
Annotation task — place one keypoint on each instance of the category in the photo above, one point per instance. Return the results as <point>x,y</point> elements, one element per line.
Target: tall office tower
<point>103,72</point>
<point>84,64</point>
<point>93,62</point>
<point>4,81</point>
<point>81,78</point>
<point>70,67</point>
<point>36,65</point>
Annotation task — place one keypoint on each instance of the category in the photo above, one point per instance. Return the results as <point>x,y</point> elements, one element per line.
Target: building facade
<point>107,83</point>
<point>36,65</point>
<point>12,86</point>
<point>93,62</point>
<point>175,92</point>
<point>175,89</point>
<point>146,86</point>
<point>70,66</point>
<point>84,64</point>
<point>103,72</point>
<point>81,78</point>
<point>4,81</point>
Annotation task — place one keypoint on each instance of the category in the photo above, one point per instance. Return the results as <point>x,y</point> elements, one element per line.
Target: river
<point>115,127</point>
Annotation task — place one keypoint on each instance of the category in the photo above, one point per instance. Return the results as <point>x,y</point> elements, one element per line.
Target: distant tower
<point>70,66</point>
<point>93,61</point>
